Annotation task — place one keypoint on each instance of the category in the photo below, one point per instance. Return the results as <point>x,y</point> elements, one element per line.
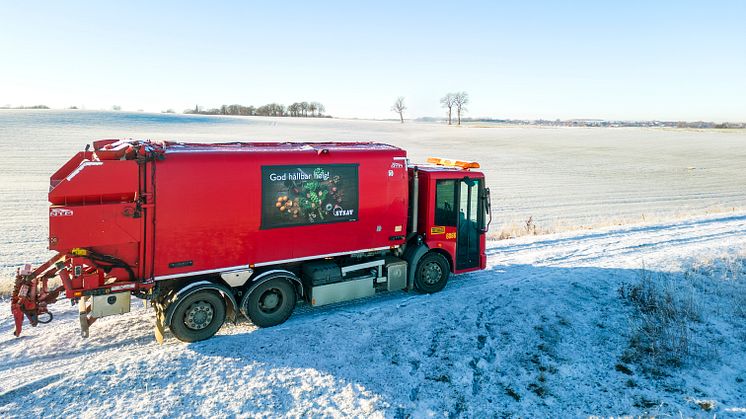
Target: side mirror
<point>487,211</point>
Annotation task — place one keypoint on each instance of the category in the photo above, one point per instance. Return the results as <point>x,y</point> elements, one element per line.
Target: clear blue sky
<point>594,59</point>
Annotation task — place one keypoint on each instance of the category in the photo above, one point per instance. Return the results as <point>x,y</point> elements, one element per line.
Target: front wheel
<point>271,302</point>
<point>431,274</point>
<point>198,316</point>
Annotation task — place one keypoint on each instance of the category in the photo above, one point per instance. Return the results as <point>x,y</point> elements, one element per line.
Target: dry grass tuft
<point>663,310</point>
<point>673,316</point>
<point>519,229</point>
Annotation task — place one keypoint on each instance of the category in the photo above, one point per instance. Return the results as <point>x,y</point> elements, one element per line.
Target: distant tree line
<point>297,109</point>
<point>599,123</point>
<point>25,107</point>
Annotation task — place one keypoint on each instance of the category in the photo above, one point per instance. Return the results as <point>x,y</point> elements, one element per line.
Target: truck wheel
<point>271,302</point>
<point>432,273</point>
<point>198,316</point>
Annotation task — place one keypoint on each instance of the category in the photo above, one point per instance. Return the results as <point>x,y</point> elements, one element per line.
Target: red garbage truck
<point>209,233</point>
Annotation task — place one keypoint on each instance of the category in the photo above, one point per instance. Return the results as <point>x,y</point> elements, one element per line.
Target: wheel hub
<point>270,301</point>
<point>432,273</point>
<point>199,315</point>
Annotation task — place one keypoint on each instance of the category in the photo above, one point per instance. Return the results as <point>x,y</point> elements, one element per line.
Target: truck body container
<point>219,207</point>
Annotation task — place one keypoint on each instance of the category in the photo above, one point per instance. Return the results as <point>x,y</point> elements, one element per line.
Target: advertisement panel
<point>300,195</point>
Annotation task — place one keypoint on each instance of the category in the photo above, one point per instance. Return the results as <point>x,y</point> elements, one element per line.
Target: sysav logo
<point>341,212</point>
<point>60,212</point>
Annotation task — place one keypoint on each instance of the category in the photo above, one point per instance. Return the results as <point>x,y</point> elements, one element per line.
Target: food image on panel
<point>309,194</point>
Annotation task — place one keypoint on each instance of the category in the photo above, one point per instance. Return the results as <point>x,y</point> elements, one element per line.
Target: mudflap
<point>412,255</point>
<point>160,328</point>
<point>83,315</point>
<point>84,326</point>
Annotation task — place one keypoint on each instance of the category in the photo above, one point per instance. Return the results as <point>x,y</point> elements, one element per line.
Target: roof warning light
<point>453,163</point>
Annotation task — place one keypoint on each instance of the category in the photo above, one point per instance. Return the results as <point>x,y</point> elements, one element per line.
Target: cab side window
<point>445,203</point>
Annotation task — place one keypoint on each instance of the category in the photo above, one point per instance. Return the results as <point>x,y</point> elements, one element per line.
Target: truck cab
<point>453,212</point>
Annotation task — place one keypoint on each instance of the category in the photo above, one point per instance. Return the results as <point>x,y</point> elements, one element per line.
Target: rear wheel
<point>271,303</point>
<point>431,274</point>
<point>198,316</point>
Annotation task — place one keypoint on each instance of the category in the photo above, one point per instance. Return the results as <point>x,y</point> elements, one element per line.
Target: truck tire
<point>198,316</point>
<point>271,303</point>
<point>431,274</point>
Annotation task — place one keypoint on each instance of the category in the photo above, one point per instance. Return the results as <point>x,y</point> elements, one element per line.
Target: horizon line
<point>170,111</point>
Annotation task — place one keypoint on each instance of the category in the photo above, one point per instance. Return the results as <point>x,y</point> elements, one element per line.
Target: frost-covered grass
<point>664,311</point>
<point>6,286</point>
<point>681,323</point>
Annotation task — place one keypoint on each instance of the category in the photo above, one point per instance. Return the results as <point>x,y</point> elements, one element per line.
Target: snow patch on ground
<point>541,332</point>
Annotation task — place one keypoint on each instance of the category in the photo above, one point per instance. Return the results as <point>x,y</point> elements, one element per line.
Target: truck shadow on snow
<point>487,342</point>
<point>72,351</point>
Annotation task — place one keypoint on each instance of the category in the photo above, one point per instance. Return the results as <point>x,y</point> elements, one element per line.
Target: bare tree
<point>263,110</point>
<point>277,109</point>
<point>399,107</point>
<point>294,109</point>
<point>460,100</point>
<point>316,108</point>
<point>448,101</point>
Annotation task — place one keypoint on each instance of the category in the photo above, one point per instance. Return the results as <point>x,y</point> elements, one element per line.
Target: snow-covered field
<point>564,178</point>
<point>542,332</point>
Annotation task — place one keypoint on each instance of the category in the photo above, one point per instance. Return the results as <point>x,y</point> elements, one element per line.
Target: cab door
<point>468,224</point>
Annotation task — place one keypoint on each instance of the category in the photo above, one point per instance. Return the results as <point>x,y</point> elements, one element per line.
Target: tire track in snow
<point>641,249</point>
<point>615,243</point>
<point>604,235</point>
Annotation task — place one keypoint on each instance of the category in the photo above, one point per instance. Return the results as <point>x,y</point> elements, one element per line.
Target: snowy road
<point>537,334</point>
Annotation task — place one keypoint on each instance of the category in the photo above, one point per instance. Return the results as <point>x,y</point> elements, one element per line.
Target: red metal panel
<point>68,167</point>
<point>208,205</point>
<point>93,207</point>
<point>97,182</point>
<point>92,226</point>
